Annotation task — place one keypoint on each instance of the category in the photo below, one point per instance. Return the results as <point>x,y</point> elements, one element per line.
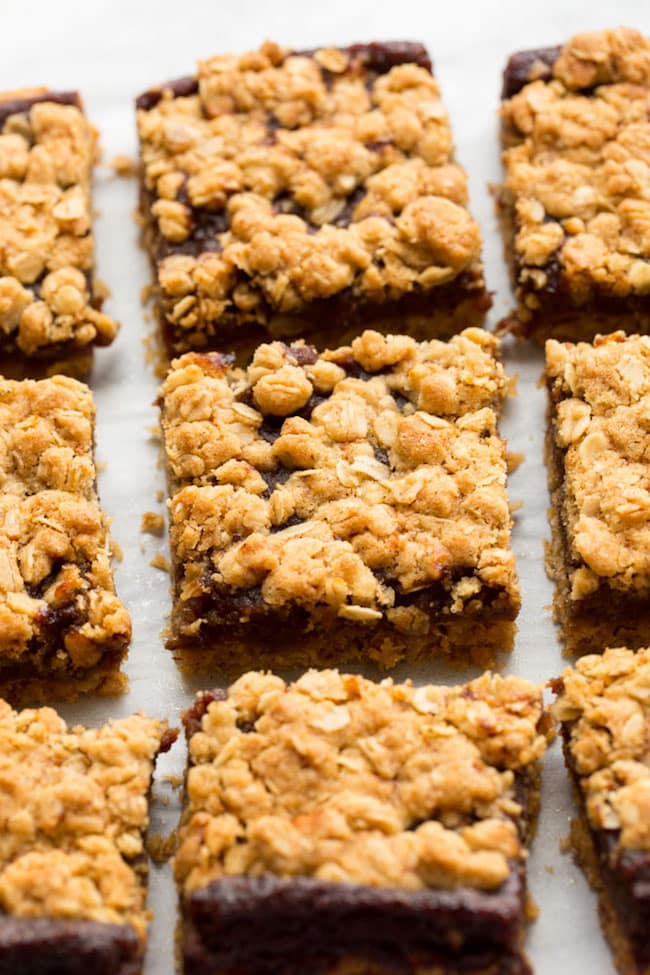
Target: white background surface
<point>112,51</point>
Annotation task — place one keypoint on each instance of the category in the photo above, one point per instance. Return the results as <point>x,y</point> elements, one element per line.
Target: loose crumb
<point>565,844</point>
<point>515,506</point>
<point>145,294</point>
<point>175,781</point>
<point>160,561</point>
<point>160,848</point>
<point>514,458</point>
<point>102,291</point>
<point>123,165</point>
<point>152,523</point>
<point>116,551</point>
<point>160,494</point>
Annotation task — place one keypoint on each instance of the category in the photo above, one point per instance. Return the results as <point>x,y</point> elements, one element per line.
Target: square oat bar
<point>294,193</point>
<point>598,456</point>
<point>63,630</point>
<point>50,303</point>
<point>347,505</point>
<point>338,825</point>
<point>73,814</point>
<point>604,707</point>
<point>574,205</point>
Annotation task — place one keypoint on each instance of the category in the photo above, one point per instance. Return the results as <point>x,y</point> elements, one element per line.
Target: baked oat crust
<point>573,204</point>
<point>603,704</point>
<point>284,192</point>
<point>73,814</point>
<point>361,491</point>
<point>343,786</point>
<point>598,451</point>
<point>62,628</point>
<point>49,300</point>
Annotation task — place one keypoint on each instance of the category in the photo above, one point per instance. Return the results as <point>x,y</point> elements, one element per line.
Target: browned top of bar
<point>601,422</point>
<point>54,546</point>
<point>577,168</point>
<point>290,177</point>
<point>340,779</point>
<point>338,482</point>
<point>73,812</point>
<point>47,149</point>
<point>606,702</point>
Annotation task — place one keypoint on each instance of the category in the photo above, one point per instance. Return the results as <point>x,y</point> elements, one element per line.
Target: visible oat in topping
<point>62,628</point>
<point>600,424</point>
<point>605,704</point>
<point>73,813</point>
<point>346,484</point>
<point>49,303</point>
<point>340,779</point>
<point>280,179</point>
<point>576,175</point>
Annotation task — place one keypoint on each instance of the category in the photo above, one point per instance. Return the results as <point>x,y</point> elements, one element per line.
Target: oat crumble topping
<point>577,171</point>
<point>73,813</point>
<point>605,702</point>
<point>289,178</point>
<point>601,423</point>
<point>336,482</point>
<point>341,779</point>
<point>48,298</point>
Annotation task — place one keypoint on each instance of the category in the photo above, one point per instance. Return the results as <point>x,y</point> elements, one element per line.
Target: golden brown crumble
<point>601,426</point>
<point>342,779</point>
<point>152,522</point>
<point>576,172</point>
<point>313,176</point>
<point>48,299</point>
<point>337,482</point>
<point>59,614</point>
<point>605,703</point>
<point>73,813</point>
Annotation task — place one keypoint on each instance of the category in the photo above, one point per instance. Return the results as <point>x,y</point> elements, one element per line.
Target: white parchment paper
<point>112,51</point>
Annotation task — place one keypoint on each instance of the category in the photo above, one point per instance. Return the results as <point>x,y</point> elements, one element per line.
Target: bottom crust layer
<point>75,364</point>
<point>464,642</point>
<point>22,688</point>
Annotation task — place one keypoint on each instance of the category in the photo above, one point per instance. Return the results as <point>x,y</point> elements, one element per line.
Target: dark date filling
<point>64,615</point>
<point>272,926</point>
<point>376,58</point>
<point>526,66</point>
<point>244,614</point>
<point>49,946</point>
<point>17,106</point>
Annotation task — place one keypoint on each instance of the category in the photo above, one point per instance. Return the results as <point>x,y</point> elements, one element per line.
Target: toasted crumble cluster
<point>291,177</point>
<point>605,705</point>
<point>58,608</point>
<point>48,298</point>
<point>336,482</point>
<point>73,813</point>
<point>342,779</point>
<point>576,172</point>
<point>601,424</point>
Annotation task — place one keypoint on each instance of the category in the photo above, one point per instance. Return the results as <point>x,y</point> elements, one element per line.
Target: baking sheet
<point>111,52</point>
